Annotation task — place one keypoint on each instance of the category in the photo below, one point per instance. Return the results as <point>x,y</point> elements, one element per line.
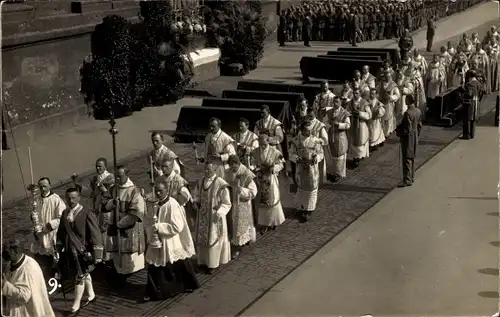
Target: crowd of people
<point>356,21</point>
<point>239,194</point>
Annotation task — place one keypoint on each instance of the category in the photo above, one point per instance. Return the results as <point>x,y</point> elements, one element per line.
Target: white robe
<point>50,212</point>
<point>338,162</point>
<point>420,63</point>
<point>319,130</point>
<point>271,215</point>
<point>435,79</point>
<point>405,88</point>
<point>127,263</point>
<point>375,124</point>
<point>361,150</point>
<point>243,225</point>
<point>212,223</point>
<point>173,232</point>
<point>389,95</point>
<point>307,175</point>
<point>158,156</point>
<point>223,145</point>
<point>248,141</point>
<point>25,291</point>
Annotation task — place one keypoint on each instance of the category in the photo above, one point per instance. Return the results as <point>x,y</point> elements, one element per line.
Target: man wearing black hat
<point>408,132</point>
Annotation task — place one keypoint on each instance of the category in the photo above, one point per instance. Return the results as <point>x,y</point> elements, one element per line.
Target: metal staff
<point>113,131</point>
<point>196,156</point>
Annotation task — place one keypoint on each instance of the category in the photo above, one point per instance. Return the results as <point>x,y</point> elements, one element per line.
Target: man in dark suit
<point>470,105</point>
<point>354,27</point>
<point>431,31</point>
<point>408,132</point>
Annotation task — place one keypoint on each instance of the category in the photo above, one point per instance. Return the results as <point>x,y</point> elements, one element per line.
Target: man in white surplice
<point>306,151</point>
<point>377,137</point>
<point>389,94</point>
<point>171,246</point>
<point>244,190</point>
<point>406,88</point>
<point>318,129</point>
<point>247,142</point>
<point>159,153</point>
<point>50,209</point>
<point>339,121</point>
<point>323,101</point>
<point>218,147</point>
<point>358,134</point>
<point>269,162</point>
<point>214,200</point>
<point>272,125</point>
<point>23,285</point>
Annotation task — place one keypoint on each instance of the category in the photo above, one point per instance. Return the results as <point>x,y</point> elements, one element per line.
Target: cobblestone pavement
<point>235,286</point>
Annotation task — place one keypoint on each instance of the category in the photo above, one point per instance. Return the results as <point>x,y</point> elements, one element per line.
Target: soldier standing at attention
<point>354,28</point>
<point>282,29</point>
<point>431,30</point>
<point>307,29</point>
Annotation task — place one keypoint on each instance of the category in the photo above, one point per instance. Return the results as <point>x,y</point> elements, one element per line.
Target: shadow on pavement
<point>489,271</point>
<point>476,198</point>
<point>488,294</point>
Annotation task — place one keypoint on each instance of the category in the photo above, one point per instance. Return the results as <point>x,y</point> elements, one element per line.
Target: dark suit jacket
<point>409,131</point>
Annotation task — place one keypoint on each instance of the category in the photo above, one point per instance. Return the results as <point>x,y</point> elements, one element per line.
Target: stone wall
<point>41,77</point>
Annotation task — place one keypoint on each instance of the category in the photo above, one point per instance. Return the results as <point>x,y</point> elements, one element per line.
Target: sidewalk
<point>427,250</point>
<point>59,156</point>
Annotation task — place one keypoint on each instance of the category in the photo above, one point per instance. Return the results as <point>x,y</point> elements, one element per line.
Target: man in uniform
<point>307,29</point>
<point>282,28</point>
<point>79,238</point>
<point>409,132</point>
<point>470,105</point>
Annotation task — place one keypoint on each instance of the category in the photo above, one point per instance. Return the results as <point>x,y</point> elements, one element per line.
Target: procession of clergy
<point>163,230</point>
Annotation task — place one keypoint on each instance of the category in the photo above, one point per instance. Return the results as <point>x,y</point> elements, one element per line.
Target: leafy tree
<point>238,29</point>
<point>132,65</point>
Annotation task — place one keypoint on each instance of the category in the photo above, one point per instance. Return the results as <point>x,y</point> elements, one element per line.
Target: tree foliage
<point>238,29</point>
<point>133,65</point>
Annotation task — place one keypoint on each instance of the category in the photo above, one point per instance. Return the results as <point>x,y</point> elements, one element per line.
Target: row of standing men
<point>343,20</point>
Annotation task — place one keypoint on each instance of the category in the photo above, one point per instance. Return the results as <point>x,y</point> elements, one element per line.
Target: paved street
<point>232,288</point>
<point>427,250</point>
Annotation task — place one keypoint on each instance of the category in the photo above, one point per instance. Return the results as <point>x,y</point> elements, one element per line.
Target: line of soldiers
<point>240,189</point>
<point>356,21</point>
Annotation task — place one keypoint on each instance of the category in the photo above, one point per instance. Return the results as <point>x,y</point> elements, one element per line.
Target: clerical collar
<point>127,184</point>
<point>211,178</point>
<point>164,200</point>
<point>15,266</point>
<point>160,149</point>
<point>48,195</point>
